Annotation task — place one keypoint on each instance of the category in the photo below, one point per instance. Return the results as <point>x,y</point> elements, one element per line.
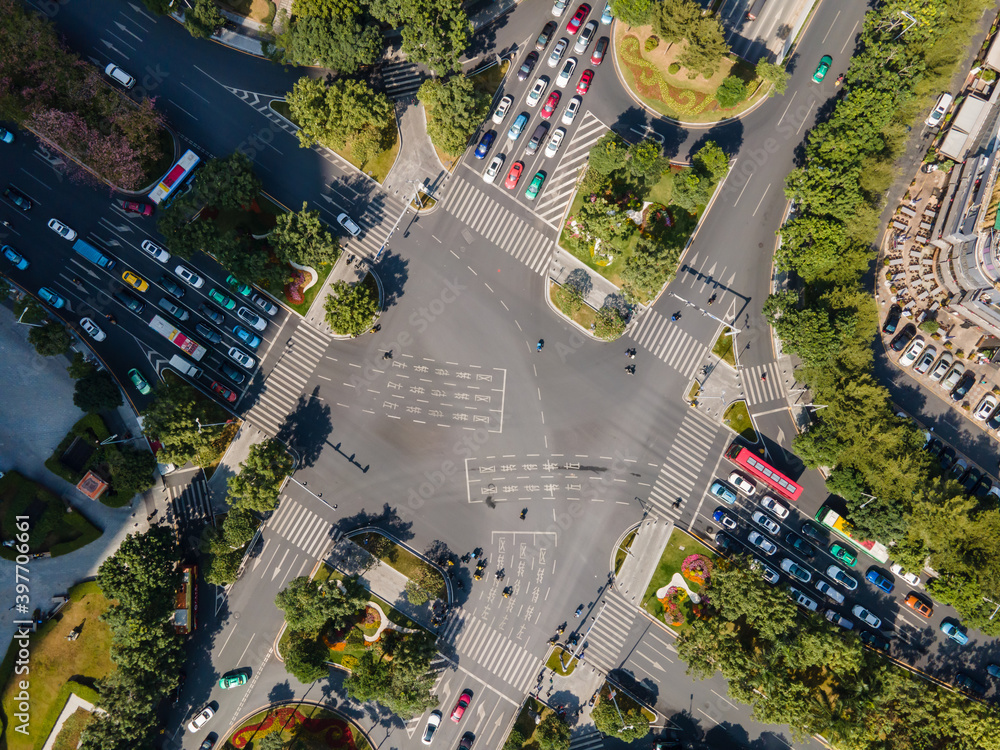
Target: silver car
<point>952,378</point>
<point>866,617</point>
<point>586,37</point>
<point>251,318</point>
<point>827,590</point>
<point>502,108</point>
<point>566,73</point>
<point>942,366</point>
<point>541,83</point>
<point>242,357</point>
<point>769,524</point>
<point>762,543</point>
<point>924,363</point>
<point>557,52</point>
<point>554,142</point>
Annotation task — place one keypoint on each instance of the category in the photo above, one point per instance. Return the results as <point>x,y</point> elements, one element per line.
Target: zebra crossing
<point>472,638</point>
<point>591,739</point>
<point>764,391</point>
<point>401,79</point>
<point>190,503</point>
<point>684,462</point>
<point>611,629</point>
<point>560,186</point>
<point>283,386</point>
<point>299,526</point>
<point>499,226</point>
<point>668,342</point>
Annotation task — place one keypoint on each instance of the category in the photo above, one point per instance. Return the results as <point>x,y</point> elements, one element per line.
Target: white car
<point>92,329</point>
<point>937,114</point>
<point>741,483</point>
<point>802,600</point>
<point>251,318</point>
<point>493,169</point>
<point>866,617</point>
<point>952,378</point>
<point>118,75</point>
<point>189,276</point>
<point>912,352</point>
<point>925,361</point>
<point>242,357</point>
<point>768,502</point>
<point>62,230</point>
<point>566,73</point>
<point>839,575</point>
<point>769,524</point>
<point>827,590</point>
<point>985,408</point>
<point>910,578</point>
<point>769,574</point>
<point>154,251</point>
<point>942,367</point>
<point>201,719</point>
<point>571,109</point>
<point>349,224</point>
<point>433,722</point>
<point>795,570</point>
<point>559,7</point>
<point>557,52</point>
<point>762,543</point>
<point>555,142</point>
<point>835,617</point>
<point>502,109</point>
<point>541,83</point>
<point>264,303</point>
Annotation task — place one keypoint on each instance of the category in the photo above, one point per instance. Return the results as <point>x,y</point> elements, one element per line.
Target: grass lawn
<point>584,316</point>
<point>56,663</point>
<point>300,725</point>
<point>490,79</point>
<point>625,702</point>
<point>525,724</point>
<point>723,348</point>
<point>258,10</point>
<point>377,168</point>
<point>72,728</point>
<point>404,561</point>
<point>556,665</point>
<point>693,393</point>
<point>427,202</point>
<point>621,553</point>
<point>738,418</point>
<point>679,547</point>
<point>662,191</point>
<point>52,529</point>
<point>682,95</point>
<point>310,293</point>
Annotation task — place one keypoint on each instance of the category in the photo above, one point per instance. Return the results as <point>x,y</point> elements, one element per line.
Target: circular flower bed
<point>672,612</point>
<point>697,569</point>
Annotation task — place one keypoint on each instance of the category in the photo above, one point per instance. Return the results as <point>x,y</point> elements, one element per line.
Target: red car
<point>577,20</point>
<point>463,703</point>
<point>514,175</point>
<point>550,105</point>
<point>602,46</point>
<point>584,85</point>
<point>224,392</point>
<point>143,209</point>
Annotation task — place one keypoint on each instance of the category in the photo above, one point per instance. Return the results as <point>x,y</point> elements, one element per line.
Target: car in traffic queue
<point>536,185</point>
<point>822,69</point>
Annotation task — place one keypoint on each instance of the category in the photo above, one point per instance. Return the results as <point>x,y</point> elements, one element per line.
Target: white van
<point>940,110</point>
<point>120,76</point>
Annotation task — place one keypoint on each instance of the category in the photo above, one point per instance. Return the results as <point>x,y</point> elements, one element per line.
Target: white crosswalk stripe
<point>610,631</point>
<point>401,79</point>
<point>189,502</point>
<point>559,187</point>
<point>283,386</point>
<point>497,225</point>
<point>589,740</point>
<point>301,527</point>
<point>474,639</point>
<point>694,441</point>
<point>763,391</point>
<point>668,342</point>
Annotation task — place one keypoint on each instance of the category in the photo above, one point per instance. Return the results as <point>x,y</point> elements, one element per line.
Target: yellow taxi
<point>134,281</point>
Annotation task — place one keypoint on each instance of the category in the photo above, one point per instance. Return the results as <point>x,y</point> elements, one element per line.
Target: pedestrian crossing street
<point>302,528</point>
<point>610,631</point>
<point>763,391</point>
<point>483,215</point>
<point>190,503</point>
<point>591,739</point>
<point>283,386</point>
<point>688,454</point>
<point>667,341</point>
<point>559,187</point>
<point>472,638</point>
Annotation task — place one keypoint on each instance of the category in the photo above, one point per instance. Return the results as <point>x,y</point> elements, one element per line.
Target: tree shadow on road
<point>393,269</point>
<point>307,428</point>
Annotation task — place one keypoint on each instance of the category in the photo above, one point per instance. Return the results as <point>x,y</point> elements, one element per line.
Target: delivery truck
<point>184,367</point>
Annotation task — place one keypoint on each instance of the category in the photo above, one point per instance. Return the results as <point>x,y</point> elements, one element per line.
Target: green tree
<point>629,726</point>
<point>228,183</point>
<point>515,740</point>
<point>141,578</point>
<point>350,310</point>
<point>29,310</point>
<point>387,11</point>
<point>633,12</point>
<point>646,160</point>
<point>203,20</point>
<point>302,238</point>
<point>340,43</point>
<point>706,46</point>
<point>185,233</point>
<point>343,9</point>
<point>131,470</point>
<point>309,605</point>
<point>602,220</point>
<point>609,324</point>
<point>256,485</point>
<point>403,685</point>
<point>97,391</point>
<point>712,160</point>
<point>435,33</point>
<point>79,368</point>
<point>691,189</point>
<point>221,567</point>
<point>159,7</point>
<point>238,528</point>
<point>306,658</point>
<point>608,154</point>
<point>731,91</point>
<point>774,74</point>
<point>170,419</point>
<point>50,339</point>
<point>457,111</point>
<point>674,19</point>
<point>552,734</point>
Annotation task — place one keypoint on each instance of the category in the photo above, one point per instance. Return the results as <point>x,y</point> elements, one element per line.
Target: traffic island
<point>673,593</point>
<point>306,725</point>
<point>561,662</point>
<point>723,347</point>
<point>737,418</point>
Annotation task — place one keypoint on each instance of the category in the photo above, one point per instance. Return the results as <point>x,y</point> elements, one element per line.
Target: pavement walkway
<point>644,555</point>
<point>566,267</point>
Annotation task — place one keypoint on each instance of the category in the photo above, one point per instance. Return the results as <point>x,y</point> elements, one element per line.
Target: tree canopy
<point>170,419</point>
<point>350,309</point>
<point>302,238</point>
<point>435,33</point>
<point>401,683</point>
<point>97,391</point>
<point>457,111</point>
<point>310,605</point>
<point>336,41</point>
<point>256,485</point>
<point>50,339</point>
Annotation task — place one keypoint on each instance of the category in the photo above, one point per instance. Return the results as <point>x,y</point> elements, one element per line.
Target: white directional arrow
<point>496,726</point>
<point>122,27</point>
<point>110,46</point>
<point>731,312</point>
<point>141,12</point>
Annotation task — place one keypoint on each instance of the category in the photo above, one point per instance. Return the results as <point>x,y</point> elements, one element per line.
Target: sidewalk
<point>567,267</point>
<point>644,556</point>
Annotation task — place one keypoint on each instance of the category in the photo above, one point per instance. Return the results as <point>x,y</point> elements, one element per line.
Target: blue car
<point>250,339</point>
<point>722,492</point>
<point>724,519</point>
<point>518,127</point>
<point>6,136</point>
<point>51,297</point>
<point>484,144</point>
<point>954,631</point>
<point>20,263</point>
<point>883,582</point>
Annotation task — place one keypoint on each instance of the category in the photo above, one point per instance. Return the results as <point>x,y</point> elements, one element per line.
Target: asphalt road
<point>466,425</point>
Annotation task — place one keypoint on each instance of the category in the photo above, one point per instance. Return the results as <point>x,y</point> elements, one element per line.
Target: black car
<point>18,198</point>
<point>993,422</point>
<point>971,479</point>
<point>934,446</point>
<point>903,338</point>
<point>982,490</point>
<point>725,542</point>
<point>232,373</point>
<point>964,386</point>
<point>208,333</point>
<point>212,314</point>
<point>172,287</point>
<point>133,304</point>
<point>870,638</point>
<point>546,36</point>
<point>892,319</point>
<point>964,681</point>
<point>527,66</point>
<point>810,531</point>
<point>947,458</point>
<point>800,545</point>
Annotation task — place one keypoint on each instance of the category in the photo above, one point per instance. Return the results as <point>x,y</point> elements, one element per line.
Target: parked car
<point>913,351</point>
<point>726,542</point>
<point>874,640</point>
<point>941,367</point>
<point>802,600</point>
<point>559,7</point>
<point>550,105</point>
<point>937,114</point>
<point>527,66</point>
<point>826,589</point>
<point>762,543</point>
<point>955,632</point>
<point>892,319</point>
<point>585,80</point>
<point>607,16</point>
<point>880,580</point>
<point>934,447</point>
<point>62,230</point>
<point>769,574</point>
<point>951,379</point>
<point>502,109</point>
<point>970,479</point>
<point>484,144</point>
<point>845,554</point>
<point>840,576</point>
<point>766,522</point>
<point>967,683</point>
<point>926,359</point>
<point>770,503</point>
<point>725,520</point>
<point>794,569</point>
<point>866,617</point>
<point>985,408</point>
<point>964,386</point>
<point>901,339</point>
<point>433,722</point>
<point>800,545</point>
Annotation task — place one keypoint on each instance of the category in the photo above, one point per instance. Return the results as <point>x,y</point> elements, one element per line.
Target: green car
<point>822,69</point>
<point>139,382</point>
<point>536,184</point>
<point>845,554</point>
<point>241,289</point>
<point>233,680</point>
<point>226,303</point>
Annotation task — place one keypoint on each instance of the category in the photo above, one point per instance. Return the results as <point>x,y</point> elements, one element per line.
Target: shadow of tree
<point>307,428</point>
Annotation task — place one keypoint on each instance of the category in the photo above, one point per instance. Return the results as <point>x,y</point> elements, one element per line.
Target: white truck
<point>184,367</point>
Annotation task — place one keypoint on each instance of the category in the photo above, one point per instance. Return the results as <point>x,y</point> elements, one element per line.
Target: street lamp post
<point>315,495</point>
<point>214,424</point>
<point>111,440</point>
<point>867,502</point>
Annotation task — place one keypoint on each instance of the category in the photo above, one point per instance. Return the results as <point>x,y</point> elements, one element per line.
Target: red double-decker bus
<point>757,468</point>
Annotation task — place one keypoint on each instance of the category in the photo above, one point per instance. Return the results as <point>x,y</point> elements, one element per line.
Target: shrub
<point>652,43</point>
<point>731,92</point>
<point>674,69</point>
<point>930,326</point>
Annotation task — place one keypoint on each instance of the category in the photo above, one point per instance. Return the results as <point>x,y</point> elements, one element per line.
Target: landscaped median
<point>305,725</point>
<point>683,568</point>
